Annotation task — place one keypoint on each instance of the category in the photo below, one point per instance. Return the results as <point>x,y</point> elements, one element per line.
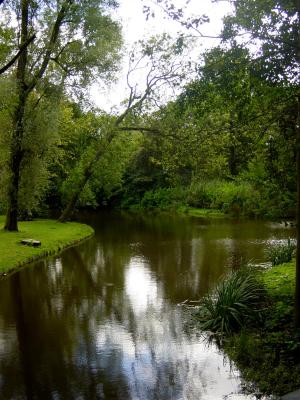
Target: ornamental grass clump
<point>234,303</point>
<point>282,253</point>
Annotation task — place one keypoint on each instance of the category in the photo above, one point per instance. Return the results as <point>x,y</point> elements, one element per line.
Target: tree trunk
<point>232,161</point>
<point>88,172</point>
<point>11,223</point>
<point>297,290</point>
<point>16,154</point>
<point>70,207</point>
<point>23,90</point>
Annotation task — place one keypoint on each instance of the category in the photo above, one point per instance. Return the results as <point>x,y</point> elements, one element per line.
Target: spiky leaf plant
<point>282,253</point>
<point>236,301</point>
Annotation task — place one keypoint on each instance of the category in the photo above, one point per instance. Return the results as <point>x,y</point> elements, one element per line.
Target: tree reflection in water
<point>101,321</point>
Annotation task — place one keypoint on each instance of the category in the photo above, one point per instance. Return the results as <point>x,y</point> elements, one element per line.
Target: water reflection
<point>141,286</point>
<point>101,321</point>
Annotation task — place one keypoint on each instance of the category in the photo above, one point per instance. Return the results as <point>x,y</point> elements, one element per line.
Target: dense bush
<point>282,253</point>
<point>238,198</point>
<point>235,301</point>
<point>163,198</point>
<point>268,355</point>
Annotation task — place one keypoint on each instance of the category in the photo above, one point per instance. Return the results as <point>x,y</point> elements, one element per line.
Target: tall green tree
<point>80,134</point>
<point>161,60</point>
<point>274,27</point>
<point>74,42</point>
<point>220,121</point>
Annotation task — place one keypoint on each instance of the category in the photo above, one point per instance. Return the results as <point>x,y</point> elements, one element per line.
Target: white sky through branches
<point>135,27</point>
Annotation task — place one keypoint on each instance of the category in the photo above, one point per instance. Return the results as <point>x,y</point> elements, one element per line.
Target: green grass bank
<point>269,354</point>
<point>202,212</point>
<point>54,237</point>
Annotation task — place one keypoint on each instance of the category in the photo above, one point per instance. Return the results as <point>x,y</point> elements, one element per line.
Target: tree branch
<point>53,39</point>
<point>55,59</point>
<point>139,129</point>
<point>147,130</point>
<point>177,15</point>
<point>16,56</point>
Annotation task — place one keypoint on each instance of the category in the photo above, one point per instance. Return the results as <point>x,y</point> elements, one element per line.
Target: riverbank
<point>54,237</point>
<point>234,198</point>
<point>185,211</point>
<point>202,212</point>
<point>269,355</point>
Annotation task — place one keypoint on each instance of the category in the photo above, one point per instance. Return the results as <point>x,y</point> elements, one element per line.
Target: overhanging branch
<point>22,48</point>
<point>53,39</point>
<point>139,129</point>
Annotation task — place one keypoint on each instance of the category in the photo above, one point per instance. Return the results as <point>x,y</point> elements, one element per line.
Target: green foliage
<point>108,176</point>
<point>7,99</point>
<point>258,335</point>
<point>235,302</point>
<point>235,198</point>
<point>202,212</point>
<point>160,199</point>
<point>163,198</point>
<point>7,35</point>
<point>281,253</point>
<point>273,25</point>
<point>87,45</point>
<point>266,362</point>
<point>226,143</point>
<point>82,138</point>
<point>73,42</point>
<point>268,355</point>
<point>39,145</point>
<point>229,139</point>
<point>280,280</point>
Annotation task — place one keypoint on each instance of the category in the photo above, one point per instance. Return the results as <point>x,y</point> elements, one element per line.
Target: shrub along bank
<point>236,198</point>
<point>260,337</point>
<point>269,354</point>
<point>54,236</point>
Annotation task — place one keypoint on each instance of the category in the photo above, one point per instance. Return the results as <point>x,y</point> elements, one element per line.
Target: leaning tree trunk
<point>297,290</point>
<point>16,153</point>
<point>70,207</point>
<point>88,172</point>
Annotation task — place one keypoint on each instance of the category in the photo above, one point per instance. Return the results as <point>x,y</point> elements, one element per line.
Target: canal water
<point>102,320</point>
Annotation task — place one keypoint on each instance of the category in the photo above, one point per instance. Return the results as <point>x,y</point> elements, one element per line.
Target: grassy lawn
<point>54,236</point>
<point>280,280</point>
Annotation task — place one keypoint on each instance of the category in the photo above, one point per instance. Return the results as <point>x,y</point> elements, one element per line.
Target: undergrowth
<point>282,253</point>
<point>251,314</point>
<point>236,198</point>
<point>268,354</point>
<point>236,301</point>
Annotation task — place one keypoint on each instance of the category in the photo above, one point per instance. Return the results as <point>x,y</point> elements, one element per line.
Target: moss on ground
<point>54,236</point>
<point>269,355</point>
